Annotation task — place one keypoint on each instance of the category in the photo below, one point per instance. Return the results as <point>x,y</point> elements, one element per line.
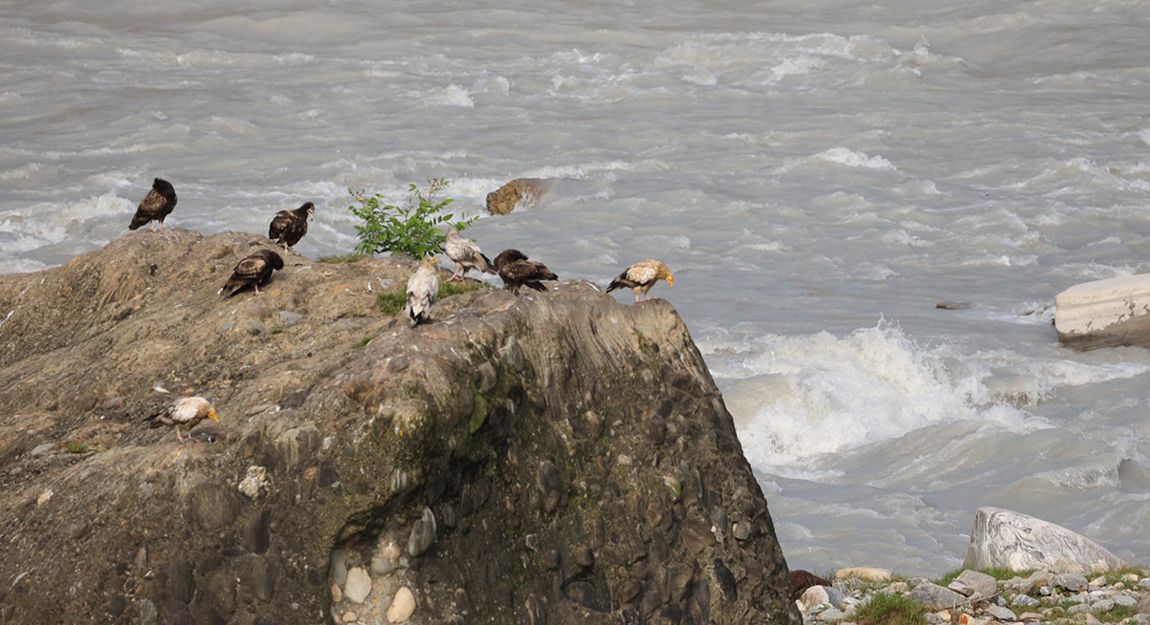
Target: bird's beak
<point>671,281</point>
<point>212,416</point>
<point>434,261</point>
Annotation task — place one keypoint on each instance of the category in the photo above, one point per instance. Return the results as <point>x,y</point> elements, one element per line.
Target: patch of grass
<point>886,609</point>
<point>277,330</point>
<point>76,448</point>
<point>394,301</point>
<point>1117,615</point>
<point>1000,574</point>
<point>361,343</point>
<point>342,258</point>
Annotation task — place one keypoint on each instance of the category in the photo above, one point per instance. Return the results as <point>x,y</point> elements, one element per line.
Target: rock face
<point>519,194</point>
<point>1105,313</point>
<point>936,597</point>
<point>1002,538</point>
<point>487,442</point>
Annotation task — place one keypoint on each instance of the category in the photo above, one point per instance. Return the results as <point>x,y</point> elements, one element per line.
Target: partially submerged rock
<point>1012,540</point>
<point>473,461</point>
<point>1105,313</point>
<point>519,194</point>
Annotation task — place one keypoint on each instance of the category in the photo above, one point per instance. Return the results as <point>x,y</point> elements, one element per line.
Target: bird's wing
<point>525,270</point>
<point>642,273</point>
<point>152,204</point>
<point>282,221</point>
<point>422,289</point>
<point>250,268</point>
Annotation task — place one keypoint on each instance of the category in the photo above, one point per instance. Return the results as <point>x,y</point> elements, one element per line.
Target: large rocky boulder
<point>1006,539</point>
<point>1105,313</point>
<point>519,194</point>
<point>553,458</point>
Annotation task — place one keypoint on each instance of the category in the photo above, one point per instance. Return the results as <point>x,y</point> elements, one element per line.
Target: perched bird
<point>422,291</point>
<point>288,227</point>
<point>640,277</point>
<point>517,271</point>
<point>255,270</point>
<point>188,412</point>
<point>155,206</point>
<point>466,255</point>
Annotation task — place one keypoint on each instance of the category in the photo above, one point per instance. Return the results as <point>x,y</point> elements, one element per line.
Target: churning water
<point>819,174</point>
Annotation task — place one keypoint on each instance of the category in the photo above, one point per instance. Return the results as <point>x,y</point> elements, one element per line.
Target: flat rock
<point>1071,582</point>
<point>981,584</point>
<point>936,597</point>
<point>1006,539</point>
<point>870,574</point>
<point>1105,313</point>
<point>358,585</point>
<point>402,606</point>
<point>1000,613</point>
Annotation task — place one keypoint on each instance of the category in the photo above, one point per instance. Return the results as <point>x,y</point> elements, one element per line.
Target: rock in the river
<point>519,194</point>
<point>358,585</point>
<point>936,597</point>
<point>1006,539</point>
<point>1105,313</point>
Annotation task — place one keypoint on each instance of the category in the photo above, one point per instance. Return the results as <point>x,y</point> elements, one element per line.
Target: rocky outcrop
<point>1011,540</point>
<point>519,194</point>
<point>553,458</point>
<point>1105,313</point>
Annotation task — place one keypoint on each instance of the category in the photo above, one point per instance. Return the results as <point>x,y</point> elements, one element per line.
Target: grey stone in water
<point>1001,613</point>
<point>1007,539</point>
<point>1071,581</point>
<point>1025,601</point>
<point>422,533</point>
<point>936,597</point>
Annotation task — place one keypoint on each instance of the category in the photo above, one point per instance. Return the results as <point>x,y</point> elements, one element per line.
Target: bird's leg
<point>256,286</point>
<point>636,297</point>
<point>455,277</point>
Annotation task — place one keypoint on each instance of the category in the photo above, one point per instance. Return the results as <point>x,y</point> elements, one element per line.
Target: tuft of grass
<point>998,573</point>
<point>886,609</point>
<point>277,330</point>
<point>76,448</point>
<point>342,258</point>
<point>394,301</point>
<point>361,343</point>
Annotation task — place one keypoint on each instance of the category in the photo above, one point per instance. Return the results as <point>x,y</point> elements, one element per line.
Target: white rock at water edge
<point>1105,313</point>
<point>1006,539</point>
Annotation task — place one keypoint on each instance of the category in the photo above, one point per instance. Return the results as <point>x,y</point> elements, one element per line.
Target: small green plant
<point>76,448</point>
<point>361,343</point>
<point>394,301</point>
<point>887,609</point>
<point>277,330</point>
<point>1001,574</point>
<point>342,258</point>
<point>412,228</point>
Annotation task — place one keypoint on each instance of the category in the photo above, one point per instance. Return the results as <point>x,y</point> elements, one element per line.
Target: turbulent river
<point>818,174</point>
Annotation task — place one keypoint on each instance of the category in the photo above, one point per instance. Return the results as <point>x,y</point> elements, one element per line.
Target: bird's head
<point>452,232</point>
<point>671,280</point>
<point>430,261</point>
<point>213,416</point>
<point>310,208</point>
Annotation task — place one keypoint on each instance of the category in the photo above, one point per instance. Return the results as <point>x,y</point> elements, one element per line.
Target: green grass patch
<point>361,343</point>
<point>1000,574</point>
<point>1117,615</point>
<point>885,609</point>
<point>394,301</point>
<point>277,330</point>
<point>76,448</point>
<point>342,258</point>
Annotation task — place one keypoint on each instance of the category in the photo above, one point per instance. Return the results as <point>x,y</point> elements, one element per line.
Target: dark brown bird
<point>802,580</point>
<point>254,270</point>
<point>155,206</point>
<point>288,227</point>
<point>517,271</point>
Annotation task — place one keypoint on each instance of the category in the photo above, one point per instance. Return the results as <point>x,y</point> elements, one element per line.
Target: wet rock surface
<point>468,469</point>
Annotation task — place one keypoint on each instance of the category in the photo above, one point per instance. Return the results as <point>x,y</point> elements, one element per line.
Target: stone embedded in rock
<point>1105,313</point>
<point>422,534</point>
<point>339,566</point>
<point>387,560</point>
<point>936,597</point>
<point>402,606</point>
<point>1006,539</point>
<point>358,585</point>
<point>867,573</point>
<point>255,482</point>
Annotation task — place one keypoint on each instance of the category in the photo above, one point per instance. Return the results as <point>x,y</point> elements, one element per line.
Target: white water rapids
<point>818,174</point>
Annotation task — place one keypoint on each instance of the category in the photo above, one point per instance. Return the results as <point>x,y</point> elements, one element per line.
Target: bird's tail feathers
<point>489,267</point>
<point>538,286</point>
<point>615,284</point>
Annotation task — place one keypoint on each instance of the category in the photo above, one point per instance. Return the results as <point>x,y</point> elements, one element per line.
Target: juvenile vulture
<point>640,277</point>
<point>155,206</point>
<point>188,412</point>
<point>517,271</point>
<point>254,270</point>
<point>422,291</point>
<point>466,255</point>
<point>288,227</point>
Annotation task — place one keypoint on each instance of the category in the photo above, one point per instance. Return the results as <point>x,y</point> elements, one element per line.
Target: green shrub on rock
<point>412,228</point>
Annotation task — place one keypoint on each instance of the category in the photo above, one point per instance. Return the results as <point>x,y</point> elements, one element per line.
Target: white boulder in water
<point>1105,313</point>
<point>1007,539</point>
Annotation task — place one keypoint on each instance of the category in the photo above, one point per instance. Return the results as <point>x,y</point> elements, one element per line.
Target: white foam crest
<point>805,396</point>
<point>24,172</point>
<point>840,156</point>
<point>452,95</point>
<point>20,265</point>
